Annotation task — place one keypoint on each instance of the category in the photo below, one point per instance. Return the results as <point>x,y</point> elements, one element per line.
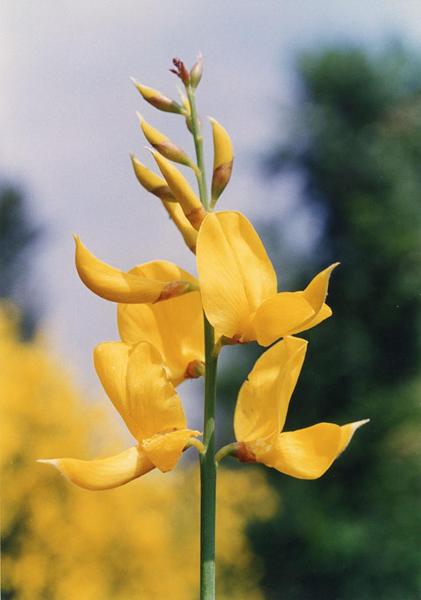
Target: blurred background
<point>323,103</point>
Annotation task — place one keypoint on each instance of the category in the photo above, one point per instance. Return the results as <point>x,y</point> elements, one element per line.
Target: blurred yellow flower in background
<point>63,542</point>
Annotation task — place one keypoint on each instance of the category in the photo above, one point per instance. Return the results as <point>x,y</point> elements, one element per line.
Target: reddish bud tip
<point>180,70</point>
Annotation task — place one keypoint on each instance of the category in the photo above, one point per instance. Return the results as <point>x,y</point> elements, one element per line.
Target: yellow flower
<point>174,328</point>
<point>239,286</point>
<point>119,286</point>
<point>261,411</point>
<point>138,386</point>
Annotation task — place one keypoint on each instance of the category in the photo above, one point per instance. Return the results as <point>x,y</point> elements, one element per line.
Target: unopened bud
<point>182,190</point>
<point>183,225</point>
<point>196,71</point>
<point>195,369</point>
<point>164,145</point>
<point>158,186</point>
<point>222,159</point>
<point>157,99</point>
<point>180,70</point>
<point>152,182</point>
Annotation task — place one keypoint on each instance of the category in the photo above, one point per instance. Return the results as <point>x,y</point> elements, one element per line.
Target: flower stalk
<point>207,458</point>
<point>198,144</point>
<point>208,474</point>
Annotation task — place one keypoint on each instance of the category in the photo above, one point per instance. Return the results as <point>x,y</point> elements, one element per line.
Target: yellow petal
<point>152,400</point>
<point>111,361</point>
<point>118,286</point>
<point>307,453</point>
<point>287,313</point>
<point>235,273</point>
<point>316,291</point>
<point>264,398</point>
<point>175,327</point>
<point>165,449</point>
<point>112,284</point>
<point>324,313</point>
<point>104,473</point>
<point>280,315</point>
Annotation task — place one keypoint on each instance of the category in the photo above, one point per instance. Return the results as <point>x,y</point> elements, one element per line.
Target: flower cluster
<point>161,313</point>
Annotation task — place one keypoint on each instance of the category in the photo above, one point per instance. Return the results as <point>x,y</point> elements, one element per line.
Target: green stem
<point>207,457</point>
<point>208,474</point>
<point>198,144</point>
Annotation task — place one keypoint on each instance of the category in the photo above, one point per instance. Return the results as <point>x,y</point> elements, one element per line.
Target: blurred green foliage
<point>17,237</point>
<point>356,143</point>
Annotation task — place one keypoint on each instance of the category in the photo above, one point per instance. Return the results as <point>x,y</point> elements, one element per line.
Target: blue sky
<point>67,116</point>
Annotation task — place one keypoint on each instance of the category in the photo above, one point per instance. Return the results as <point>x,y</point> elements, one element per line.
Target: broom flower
<point>239,285</point>
<point>136,382</point>
<point>261,411</point>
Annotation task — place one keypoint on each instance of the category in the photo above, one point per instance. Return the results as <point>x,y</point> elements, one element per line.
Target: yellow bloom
<point>239,286</point>
<point>138,386</point>
<point>174,328</point>
<point>261,411</point>
<point>120,286</point>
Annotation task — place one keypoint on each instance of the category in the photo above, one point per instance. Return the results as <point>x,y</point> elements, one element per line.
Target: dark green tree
<point>356,142</point>
<point>17,236</point>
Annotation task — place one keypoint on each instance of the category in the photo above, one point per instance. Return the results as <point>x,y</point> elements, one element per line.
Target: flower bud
<point>157,99</point>
<point>182,190</point>
<point>195,369</point>
<point>158,186</point>
<point>196,71</point>
<point>152,182</point>
<point>222,159</point>
<point>181,71</point>
<point>183,225</point>
<point>164,145</point>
